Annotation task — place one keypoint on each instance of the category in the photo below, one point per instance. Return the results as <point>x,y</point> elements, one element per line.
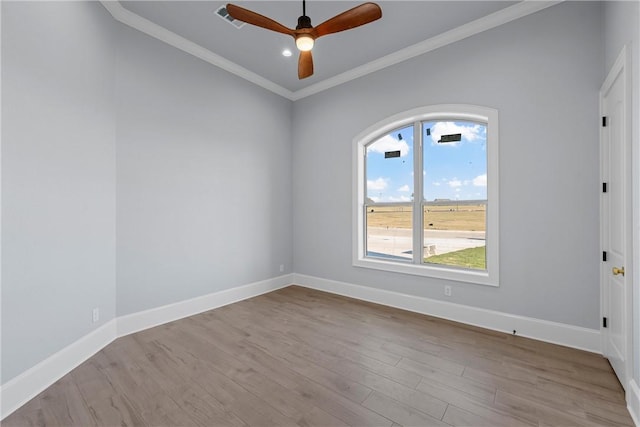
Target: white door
<point>616,218</point>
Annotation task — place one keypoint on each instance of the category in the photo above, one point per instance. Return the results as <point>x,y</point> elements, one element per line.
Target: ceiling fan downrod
<point>305,34</point>
<point>304,21</point>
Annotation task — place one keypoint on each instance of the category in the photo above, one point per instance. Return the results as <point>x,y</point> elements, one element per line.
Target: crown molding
<point>508,14</point>
<point>152,29</point>
<point>469,29</point>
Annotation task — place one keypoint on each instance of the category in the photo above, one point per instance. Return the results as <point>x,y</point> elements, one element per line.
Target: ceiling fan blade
<point>359,15</point>
<point>256,19</point>
<point>305,64</point>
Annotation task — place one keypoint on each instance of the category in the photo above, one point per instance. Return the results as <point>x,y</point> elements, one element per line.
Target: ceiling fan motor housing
<point>303,22</point>
<point>305,34</point>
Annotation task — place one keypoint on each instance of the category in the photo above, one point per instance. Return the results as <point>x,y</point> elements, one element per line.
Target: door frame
<point>620,67</point>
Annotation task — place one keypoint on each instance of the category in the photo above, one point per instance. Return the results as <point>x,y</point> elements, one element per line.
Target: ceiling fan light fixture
<point>305,33</point>
<point>304,42</point>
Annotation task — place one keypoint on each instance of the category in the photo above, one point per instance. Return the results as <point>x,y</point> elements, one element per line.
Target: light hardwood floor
<point>302,357</point>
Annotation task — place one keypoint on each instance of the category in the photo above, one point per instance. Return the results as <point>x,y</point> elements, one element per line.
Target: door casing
<point>620,69</point>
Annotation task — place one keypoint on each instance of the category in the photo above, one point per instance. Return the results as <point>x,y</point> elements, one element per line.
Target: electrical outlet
<point>281,268</point>
<point>447,291</point>
<point>96,314</point>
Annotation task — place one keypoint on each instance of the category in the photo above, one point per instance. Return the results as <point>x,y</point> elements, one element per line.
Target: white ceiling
<point>406,28</point>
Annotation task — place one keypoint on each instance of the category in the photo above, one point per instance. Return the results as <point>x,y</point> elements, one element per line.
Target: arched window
<point>426,194</point>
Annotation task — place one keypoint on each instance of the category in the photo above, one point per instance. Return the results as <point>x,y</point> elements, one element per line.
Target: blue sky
<point>454,170</point>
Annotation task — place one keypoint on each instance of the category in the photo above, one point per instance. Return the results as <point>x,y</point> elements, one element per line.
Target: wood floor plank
<point>485,411</point>
<point>555,352</point>
<point>256,371</point>
<point>59,405</point>
<point>307,357</point>
<point>325,353</point>
<point>320,356</point>
<point>333,403</point>
<point>218,386</point>
<point>570,403</point>
<point>363,344</point>
<point>399,412</point>
<point>536,412</point>
<point>425,358</point>
<point>584,387</point>
<point>461,418</point>
<point>458,383</point>
<point>106,405</point>
<point>144,393</point>
<point>295,364</point>
<point>236,399</point>
<point>300,357</point>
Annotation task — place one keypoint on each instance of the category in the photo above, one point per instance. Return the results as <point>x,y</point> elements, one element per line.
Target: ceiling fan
<point>305,34</point>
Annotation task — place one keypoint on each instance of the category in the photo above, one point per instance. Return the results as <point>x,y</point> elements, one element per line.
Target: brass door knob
<point>617,271</point>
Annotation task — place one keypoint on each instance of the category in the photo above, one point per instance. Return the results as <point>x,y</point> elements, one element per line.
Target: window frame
<point>417,116</point>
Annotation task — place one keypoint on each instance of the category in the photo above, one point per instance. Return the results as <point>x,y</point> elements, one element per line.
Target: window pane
<point>455,193</point>
<point>389,176</point>
<point>390,167</point>
<point>389,232</point>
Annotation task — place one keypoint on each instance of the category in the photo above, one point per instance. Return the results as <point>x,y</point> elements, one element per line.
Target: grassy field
<point>470,258</point>
<point>445,217</point>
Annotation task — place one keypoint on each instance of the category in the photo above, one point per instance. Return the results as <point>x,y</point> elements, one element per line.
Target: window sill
<point>458,275</point>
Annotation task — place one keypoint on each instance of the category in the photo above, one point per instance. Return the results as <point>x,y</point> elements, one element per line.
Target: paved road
<point>398,242</point>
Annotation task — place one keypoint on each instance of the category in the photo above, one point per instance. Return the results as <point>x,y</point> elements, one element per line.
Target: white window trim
<point>490,277</point>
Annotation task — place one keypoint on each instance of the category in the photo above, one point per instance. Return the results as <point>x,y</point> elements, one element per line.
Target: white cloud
<point>389,143</point>
<point>469,132</point>
<point>455,182</point>
<point>436,183</point>
<point>480,180</point>
<point>405,188</point>
<point>377,184</point>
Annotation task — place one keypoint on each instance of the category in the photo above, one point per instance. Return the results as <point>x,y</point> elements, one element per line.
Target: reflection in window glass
<point>389,232</point>
<point>388,204</point>
<point>455,193</point>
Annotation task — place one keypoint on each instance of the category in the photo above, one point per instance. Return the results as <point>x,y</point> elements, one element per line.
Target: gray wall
<point>118,149</point>
<point>204,177</point>
<point>621,26</point>
<point>58,177</point>
<point>203,174</point>
<point>542,73</point>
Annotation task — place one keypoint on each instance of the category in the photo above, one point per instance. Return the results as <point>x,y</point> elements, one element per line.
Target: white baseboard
<point>27,385</point>
<point>543,330</point>
<point>168,313</point>
<point>19,390</point>
<point>30,383</point>
<point>633,401</point>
